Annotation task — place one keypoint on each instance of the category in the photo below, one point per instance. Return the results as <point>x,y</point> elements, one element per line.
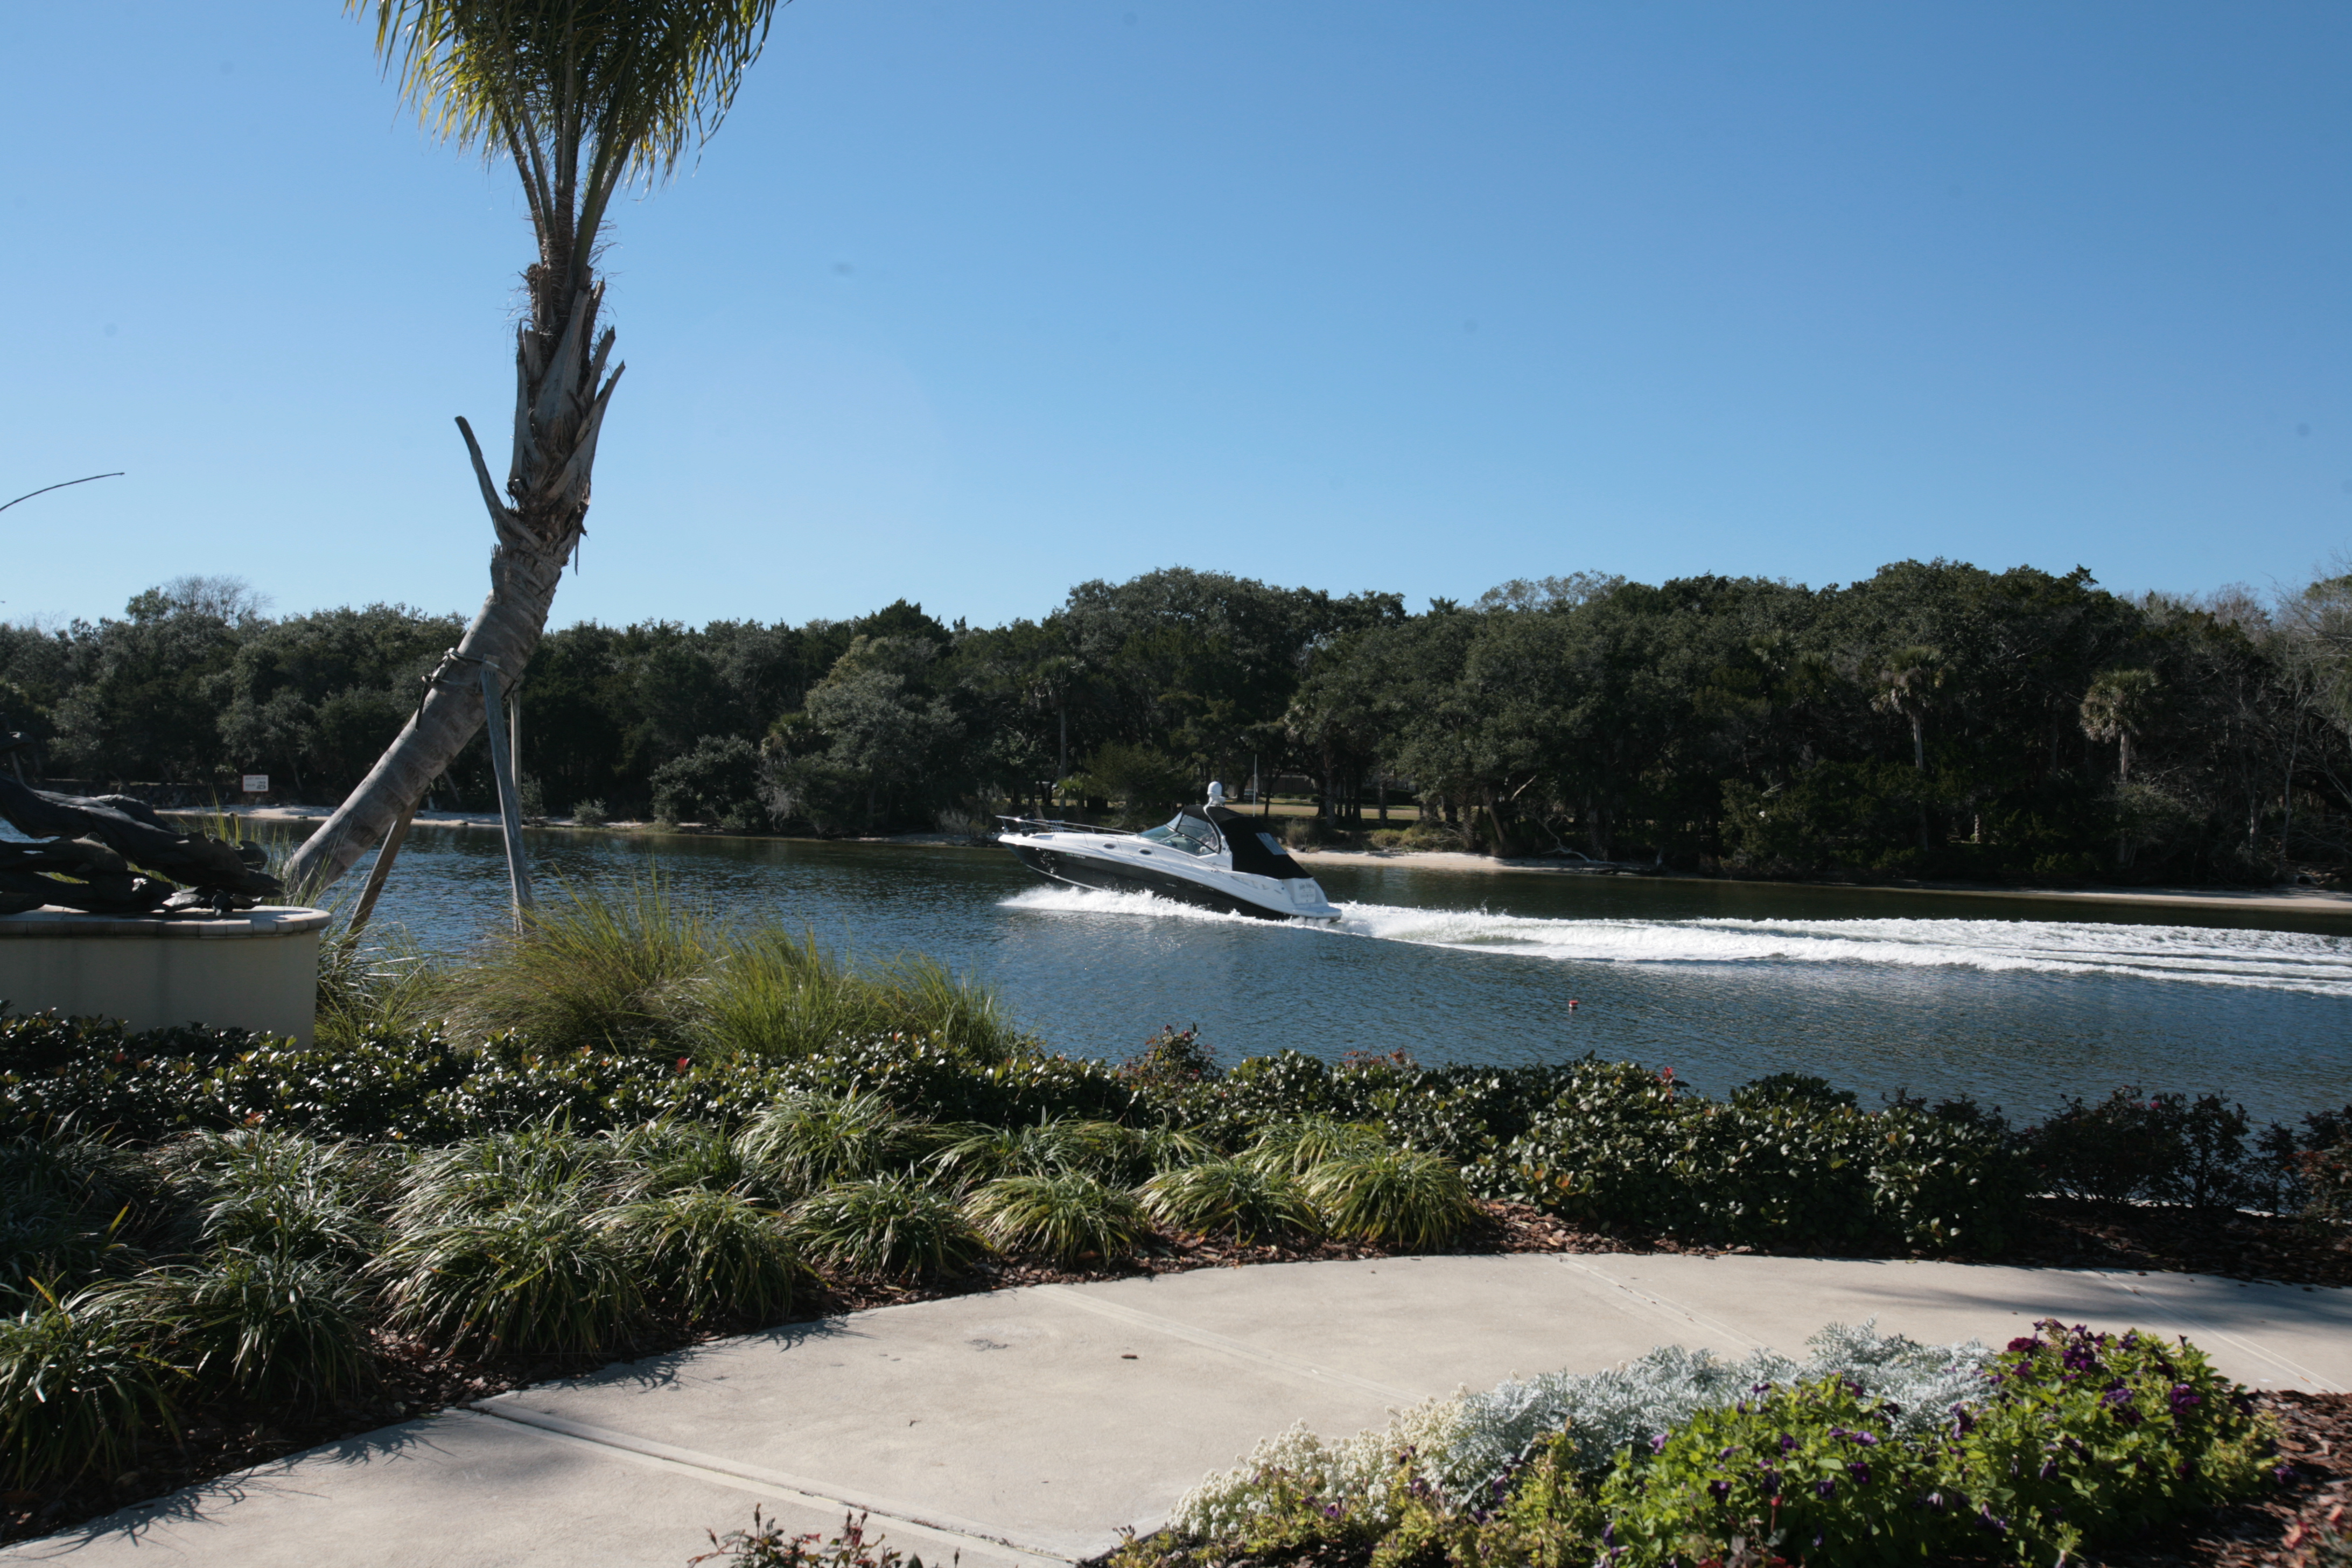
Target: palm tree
<point>2116,708</point>
<point>1906,686</point>
<point>583,97</point>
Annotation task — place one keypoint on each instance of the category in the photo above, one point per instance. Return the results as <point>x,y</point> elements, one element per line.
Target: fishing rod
<point>62,484</point>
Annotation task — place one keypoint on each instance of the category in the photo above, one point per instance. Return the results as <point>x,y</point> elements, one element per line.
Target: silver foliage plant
<point>1465,1442</point>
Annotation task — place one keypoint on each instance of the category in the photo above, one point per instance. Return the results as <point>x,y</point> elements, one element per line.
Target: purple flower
<point>1718,1491</point>
<point>2284,1475</point>
<point>1827,1487</point>
<point>1658,1444</point>
<point>2184,1398</point>
<point>2025,1345</point>
<point>1860,1472</point>
<point>1787,1444</point>
<point>1865,1438</point>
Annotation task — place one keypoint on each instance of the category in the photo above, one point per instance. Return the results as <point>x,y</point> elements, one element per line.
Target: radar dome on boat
<point>1216,793</point>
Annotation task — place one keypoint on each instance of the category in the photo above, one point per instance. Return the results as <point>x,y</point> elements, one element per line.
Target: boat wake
<point>2259,960</point>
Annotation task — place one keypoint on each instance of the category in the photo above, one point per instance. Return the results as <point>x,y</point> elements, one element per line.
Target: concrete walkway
<point>1026,1426</point>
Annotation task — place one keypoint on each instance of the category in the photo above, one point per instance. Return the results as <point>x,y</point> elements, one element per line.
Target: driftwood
<point>120,858</point>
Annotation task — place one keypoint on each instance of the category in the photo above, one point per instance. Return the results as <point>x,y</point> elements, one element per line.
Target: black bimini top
<point>1255,851</point>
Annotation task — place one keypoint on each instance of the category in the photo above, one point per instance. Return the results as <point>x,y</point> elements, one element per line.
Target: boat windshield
<point>1189,833</point>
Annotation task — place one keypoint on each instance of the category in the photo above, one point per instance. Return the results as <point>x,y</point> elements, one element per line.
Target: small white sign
<point>257,784</point>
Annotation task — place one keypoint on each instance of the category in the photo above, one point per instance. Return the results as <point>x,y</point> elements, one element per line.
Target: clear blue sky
<point>968,302</point>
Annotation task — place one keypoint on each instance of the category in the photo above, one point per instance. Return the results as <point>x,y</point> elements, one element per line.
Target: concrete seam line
<point>954,1529</point>
<point>1216,1342</point>
<point>1661,1306</point>
<point>2189,1315</point>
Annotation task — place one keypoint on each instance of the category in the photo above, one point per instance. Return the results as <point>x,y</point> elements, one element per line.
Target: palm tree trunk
<point>561,395</point>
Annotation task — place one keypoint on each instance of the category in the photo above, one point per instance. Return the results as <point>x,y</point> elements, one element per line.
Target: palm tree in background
<point>2117,708</point>
<point>1907,688</point>
<point>583,97</point>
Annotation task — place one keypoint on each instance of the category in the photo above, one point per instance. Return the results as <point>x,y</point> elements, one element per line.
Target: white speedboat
<point>1207,855</point>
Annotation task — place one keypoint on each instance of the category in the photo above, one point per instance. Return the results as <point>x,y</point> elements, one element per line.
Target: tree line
<point>1936,719</point>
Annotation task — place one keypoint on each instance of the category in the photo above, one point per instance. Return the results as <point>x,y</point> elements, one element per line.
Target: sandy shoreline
<point>2309,901</point>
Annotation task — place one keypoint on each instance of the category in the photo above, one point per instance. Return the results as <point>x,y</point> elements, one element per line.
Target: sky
<point>969,303</point>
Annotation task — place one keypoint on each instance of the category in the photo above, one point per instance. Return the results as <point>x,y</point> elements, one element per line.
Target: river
<point>2017,1002</point>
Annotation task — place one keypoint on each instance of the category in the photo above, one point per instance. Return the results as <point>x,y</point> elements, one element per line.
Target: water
<point>2016,1001</point>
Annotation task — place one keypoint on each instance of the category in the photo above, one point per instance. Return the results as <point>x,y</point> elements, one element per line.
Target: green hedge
<point>1786,1163</point>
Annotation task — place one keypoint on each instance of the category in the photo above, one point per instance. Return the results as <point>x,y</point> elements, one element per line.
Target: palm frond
<point>584,95</point>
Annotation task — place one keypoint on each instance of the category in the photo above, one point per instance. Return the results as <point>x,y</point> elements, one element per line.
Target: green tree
<point>582,96</point>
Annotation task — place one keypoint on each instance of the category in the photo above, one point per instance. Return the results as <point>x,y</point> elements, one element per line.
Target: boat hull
<point>1092,871</point>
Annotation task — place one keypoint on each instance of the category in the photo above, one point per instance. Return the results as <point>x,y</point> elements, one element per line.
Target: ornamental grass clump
<point>1301,1145</point>
<point>894,1226</point>
<point>1059,1145</point>
<point>776,994</point>
<point>543,1275</point>
<point>69,1207</point>
<point>807,1140</point>
<point>706,1255</point>
<point>1065,1217</point>
<point>82,1384</point>
<point>662,1158</point>
<point>262,1191</point>
<point>272,1325</point>
<point>1239,1198</point>
<point>591,970</point>
<point>547,1165</point>
<point>1395,1197</point>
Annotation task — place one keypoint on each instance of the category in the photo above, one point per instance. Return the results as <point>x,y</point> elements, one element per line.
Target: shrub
<point>1877,1450</point>
<point>81,1386</point>
<point>706,1254</point>
<point>1172,1058</point>
<point>2165,1148</point>
<point>589,814</point>
<point>536,1275</point>
<point>889,1225</point>
<point>2076,1438</point>
<point>1794,1089</point>
<point>1462,1444</point>
<point>1782,1167</point>
<point>268,1325</point>
<point>807,1140</point>
<point>1245,1200</point>
<point>1396,1197</point>
<point>1065,1217</point>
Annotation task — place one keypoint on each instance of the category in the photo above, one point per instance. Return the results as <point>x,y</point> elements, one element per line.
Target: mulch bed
<point>221,1438</point>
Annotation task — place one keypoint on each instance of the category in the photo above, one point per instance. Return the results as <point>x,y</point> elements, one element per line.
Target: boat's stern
<point>1307,900</point>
